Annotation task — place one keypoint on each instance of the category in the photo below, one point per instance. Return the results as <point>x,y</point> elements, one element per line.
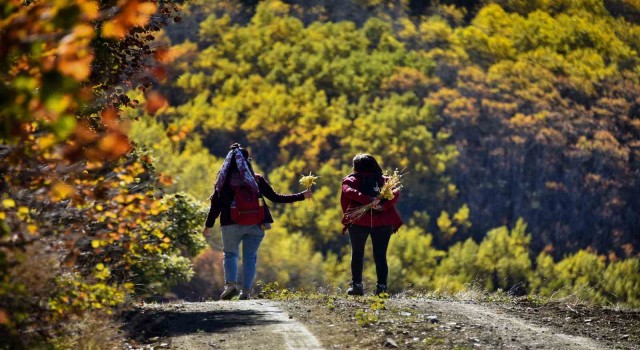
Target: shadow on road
<point>144,324</point>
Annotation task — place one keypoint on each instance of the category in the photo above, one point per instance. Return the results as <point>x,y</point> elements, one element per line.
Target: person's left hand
<point>307,194</point>
<point>207,231</point>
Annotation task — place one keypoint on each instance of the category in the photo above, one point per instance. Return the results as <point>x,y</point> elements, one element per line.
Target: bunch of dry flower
<point>308,180</point>
<point>391,184</point>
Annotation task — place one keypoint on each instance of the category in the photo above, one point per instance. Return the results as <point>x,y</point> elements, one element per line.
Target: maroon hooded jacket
<point>352,198</point>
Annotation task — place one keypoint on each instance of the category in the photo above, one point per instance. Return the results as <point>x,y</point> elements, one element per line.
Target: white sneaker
<point>230,291</point>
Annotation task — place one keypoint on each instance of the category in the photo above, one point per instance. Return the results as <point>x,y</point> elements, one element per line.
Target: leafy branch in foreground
<point>83,221</point>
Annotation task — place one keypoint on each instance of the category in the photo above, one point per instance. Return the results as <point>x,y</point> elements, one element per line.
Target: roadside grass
<point>95,330</point>
<point>472,293</point>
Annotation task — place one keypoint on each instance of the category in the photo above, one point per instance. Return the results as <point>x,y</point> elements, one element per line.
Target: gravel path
<point>404,323</point>
<point>494,328</point>
<point>248,324</point>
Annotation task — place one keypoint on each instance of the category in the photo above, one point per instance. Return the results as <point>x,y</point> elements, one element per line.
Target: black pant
<point>380,236</point>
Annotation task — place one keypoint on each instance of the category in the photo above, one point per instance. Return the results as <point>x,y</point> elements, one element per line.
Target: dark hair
<point>365,163</point>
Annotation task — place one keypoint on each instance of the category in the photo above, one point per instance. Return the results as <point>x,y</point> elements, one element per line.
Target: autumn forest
<point>517,123</point>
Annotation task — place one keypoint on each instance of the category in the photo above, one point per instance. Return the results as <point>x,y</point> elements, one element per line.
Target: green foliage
<point>186,161</point>
<point>446,225</point>
<point>182,228</point>
<point>337,268</point>
<point>366,318</point>
<point>457,270</point>
<point>318,219</point>
<point>585,276</point>
<point>75,296</point>
<point>622,282</point>
<point>412,259</point>
<point>370,316</point>
<point>433,341</point>
<point>544,276</point>
<point>274,291</point>
<point>296,261</point>
<point>184,223</point>
<point>503,257</point>
<point>578,276</point>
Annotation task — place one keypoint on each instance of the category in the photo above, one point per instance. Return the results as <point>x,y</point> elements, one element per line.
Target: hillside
<point>517,125</point>
<point>503,110</point>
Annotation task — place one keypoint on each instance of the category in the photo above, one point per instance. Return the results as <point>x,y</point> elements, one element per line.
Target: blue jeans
<point>251,237</point>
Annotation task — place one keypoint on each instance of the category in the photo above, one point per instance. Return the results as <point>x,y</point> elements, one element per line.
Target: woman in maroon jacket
<point>360,188</point>
<point>237,172</point>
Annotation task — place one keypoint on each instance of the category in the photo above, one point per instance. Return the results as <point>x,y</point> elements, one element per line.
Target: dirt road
<point>247,324</point>
<point>405,323</point>
<point>492,328</point>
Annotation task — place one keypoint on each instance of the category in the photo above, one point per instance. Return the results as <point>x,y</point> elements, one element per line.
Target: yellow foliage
<point>74,54</point>
<point>133,13</point>
<point>61,190</point>
<point>446,225</point>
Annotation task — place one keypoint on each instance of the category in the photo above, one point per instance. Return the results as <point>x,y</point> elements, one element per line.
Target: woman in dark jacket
<point>360,188</point>
<point>236,172</point>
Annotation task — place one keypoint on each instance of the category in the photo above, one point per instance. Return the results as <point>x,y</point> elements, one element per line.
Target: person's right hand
<point>207,231</point>
<point>307,194</point>
<point>375,202</point>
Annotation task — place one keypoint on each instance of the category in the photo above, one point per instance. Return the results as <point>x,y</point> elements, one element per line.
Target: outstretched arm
<point>273,196</point>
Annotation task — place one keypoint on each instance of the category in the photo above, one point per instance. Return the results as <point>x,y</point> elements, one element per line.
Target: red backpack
<point>247,207</point>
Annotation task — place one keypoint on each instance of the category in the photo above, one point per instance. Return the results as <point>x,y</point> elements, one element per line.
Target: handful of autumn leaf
<point>386,192</point>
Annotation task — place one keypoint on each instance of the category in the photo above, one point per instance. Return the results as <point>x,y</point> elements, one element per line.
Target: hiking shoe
<point>230,291</point>
<point>381,288</point>
<point>245,294</point>
<point>355,289</point>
